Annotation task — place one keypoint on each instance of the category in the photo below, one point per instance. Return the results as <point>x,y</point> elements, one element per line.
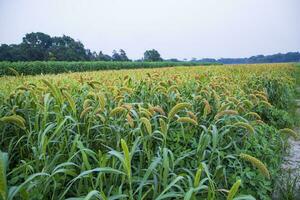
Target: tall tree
<point>66,48</point>
<point>116,56</point>
<point>35,46</point>
<point>152,55</point>
<point>103,57</point>
<point>123,55</point>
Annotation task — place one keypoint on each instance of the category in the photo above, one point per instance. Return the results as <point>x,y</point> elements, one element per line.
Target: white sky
<point>176,28</point>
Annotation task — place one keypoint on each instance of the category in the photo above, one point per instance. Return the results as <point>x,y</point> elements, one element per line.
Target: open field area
<point>209,132</point>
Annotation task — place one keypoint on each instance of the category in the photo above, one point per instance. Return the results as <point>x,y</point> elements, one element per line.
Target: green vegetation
<point>180,133</point>
<point>42,47</point>
<point>152,55</point>
<point>55,67</point>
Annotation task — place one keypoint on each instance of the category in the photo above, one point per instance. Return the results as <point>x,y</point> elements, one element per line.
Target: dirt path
<point>292,160</point>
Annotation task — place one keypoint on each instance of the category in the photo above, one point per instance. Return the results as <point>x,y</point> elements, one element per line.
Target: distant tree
<point>66,48</point>
<point>116,56</point>
<point>207,60</point>
<point>103,57</point>
<point>173,60</point>
<point>152,55</point>
<point>123,55</point>
<point>35,46</point>
<point>90,55</point>
<point>40,46</point>
<point>5,52</point>
<point>51,56</point>
<point>13,52</point>
<point>37,39</point>
<point>94,55</point>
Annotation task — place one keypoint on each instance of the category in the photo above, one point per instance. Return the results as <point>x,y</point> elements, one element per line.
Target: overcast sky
<point>176,28</point>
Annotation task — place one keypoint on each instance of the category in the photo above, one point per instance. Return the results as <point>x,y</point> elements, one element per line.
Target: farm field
<point>210,132</point>
<point>56,67</point>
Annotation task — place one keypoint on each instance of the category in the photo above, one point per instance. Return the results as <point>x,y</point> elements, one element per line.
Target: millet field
<point>203,132</point>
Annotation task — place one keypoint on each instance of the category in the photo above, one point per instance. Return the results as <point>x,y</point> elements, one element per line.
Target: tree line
<point>42,47</point>
<point>275,58</point>
<point>39,46</point>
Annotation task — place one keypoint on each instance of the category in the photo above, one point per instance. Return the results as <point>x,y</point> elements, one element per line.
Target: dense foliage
<point>186,133</point>
<point>275,58</point>
<point>152,56</point>
<point>55,67</point>
<point>42,47</point>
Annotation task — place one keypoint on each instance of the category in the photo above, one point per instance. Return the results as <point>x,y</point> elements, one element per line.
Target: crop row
<point>55,67</point>
<point>186,133</point>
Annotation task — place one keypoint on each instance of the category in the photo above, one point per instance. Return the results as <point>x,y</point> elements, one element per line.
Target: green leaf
<point>234,189</point>
<point>163,196</point>
<point>3,181</point>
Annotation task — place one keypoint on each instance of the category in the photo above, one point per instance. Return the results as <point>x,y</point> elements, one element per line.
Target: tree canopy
<point>42,47</point>
<point>152,55</point>
<point>121,56</point>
